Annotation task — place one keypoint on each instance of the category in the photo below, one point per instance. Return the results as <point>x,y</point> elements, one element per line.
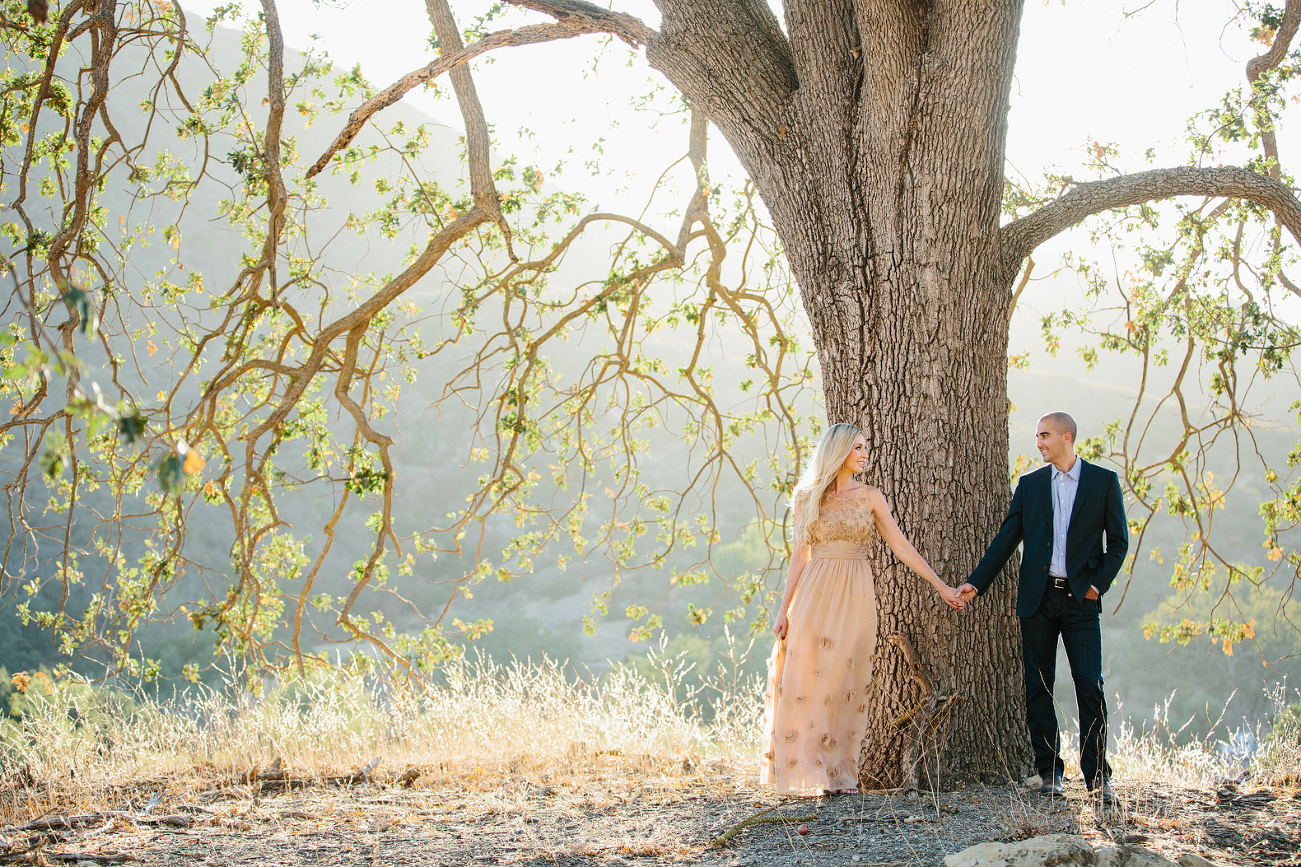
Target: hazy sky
<point>1085,71</point>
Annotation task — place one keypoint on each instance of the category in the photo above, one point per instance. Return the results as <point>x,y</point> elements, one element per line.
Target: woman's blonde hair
<point>830,455</point>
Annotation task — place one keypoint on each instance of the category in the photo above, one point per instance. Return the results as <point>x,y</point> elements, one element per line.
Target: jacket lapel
<point>1086,479</point>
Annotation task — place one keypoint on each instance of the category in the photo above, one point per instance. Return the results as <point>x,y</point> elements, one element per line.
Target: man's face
<point>1053,445</point>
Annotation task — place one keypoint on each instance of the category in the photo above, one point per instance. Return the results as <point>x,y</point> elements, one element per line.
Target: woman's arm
<point>903,549</point>
<point>799,558</point>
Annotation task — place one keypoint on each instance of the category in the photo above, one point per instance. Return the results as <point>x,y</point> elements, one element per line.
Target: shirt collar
<point>1073,473</point>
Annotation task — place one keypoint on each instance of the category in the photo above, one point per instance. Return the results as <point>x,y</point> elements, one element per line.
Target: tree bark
<point>875,132</point>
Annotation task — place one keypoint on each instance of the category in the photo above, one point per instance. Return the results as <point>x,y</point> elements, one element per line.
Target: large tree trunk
<point>879,153</point>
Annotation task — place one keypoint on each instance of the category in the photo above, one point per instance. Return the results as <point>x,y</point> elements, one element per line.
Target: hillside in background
<point>541,614</point>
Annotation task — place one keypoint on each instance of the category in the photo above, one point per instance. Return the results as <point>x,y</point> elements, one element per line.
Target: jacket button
<point>1045,568</point>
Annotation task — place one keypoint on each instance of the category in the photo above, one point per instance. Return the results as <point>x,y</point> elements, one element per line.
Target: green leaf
<point>51,463</point>
<point>168,471</point>
<point>78,302</point>
<point>132,427</point>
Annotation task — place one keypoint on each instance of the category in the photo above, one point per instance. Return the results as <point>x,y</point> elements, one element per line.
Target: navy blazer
<point>1099,506</point>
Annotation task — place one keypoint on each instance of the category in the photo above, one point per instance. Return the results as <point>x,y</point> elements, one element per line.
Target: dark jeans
<point>1076,621</point>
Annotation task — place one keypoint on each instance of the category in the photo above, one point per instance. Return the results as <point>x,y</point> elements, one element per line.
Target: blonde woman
<point>820,669</point>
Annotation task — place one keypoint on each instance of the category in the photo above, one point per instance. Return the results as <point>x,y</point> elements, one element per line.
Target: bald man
<point>1061,512</point>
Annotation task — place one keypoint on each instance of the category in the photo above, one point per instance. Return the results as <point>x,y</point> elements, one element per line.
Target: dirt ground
<point>614,815</point>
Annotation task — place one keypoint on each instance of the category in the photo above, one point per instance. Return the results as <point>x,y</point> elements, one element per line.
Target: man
<point>1061,512</point>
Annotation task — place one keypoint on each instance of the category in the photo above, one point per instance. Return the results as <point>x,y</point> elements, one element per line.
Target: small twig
<point>108,824</point>
<point>757,819</point>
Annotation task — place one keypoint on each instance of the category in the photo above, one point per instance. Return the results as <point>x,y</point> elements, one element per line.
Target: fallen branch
<point>759,818</point>
<point>926,717</point>
<point>36,855</point>
<point>53,823</point>
<point>288,784</point>
<point>273,779</point>
<point>357,777</point>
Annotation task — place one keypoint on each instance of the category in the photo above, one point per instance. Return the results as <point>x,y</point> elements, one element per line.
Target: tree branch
<point>825,50</point>
<point>275,118</point>
<point>478,144</point>
<point>590,18</point>
<point>732,62</point>
<point>1257,66</point>
<point>532,34</point>
<point>1020,237</point>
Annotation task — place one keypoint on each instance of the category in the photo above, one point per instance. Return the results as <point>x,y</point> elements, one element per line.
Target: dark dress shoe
<point>1104,793</point>
<point>1052,785</point>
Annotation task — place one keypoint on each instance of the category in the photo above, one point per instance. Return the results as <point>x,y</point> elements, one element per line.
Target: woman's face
<point>857,455</point>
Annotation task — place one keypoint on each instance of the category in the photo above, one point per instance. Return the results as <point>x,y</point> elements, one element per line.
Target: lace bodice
<point>844,520</point>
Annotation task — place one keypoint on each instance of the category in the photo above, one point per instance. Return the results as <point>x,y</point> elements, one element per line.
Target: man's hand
<point>968,592</point>
<point>1092,594</point>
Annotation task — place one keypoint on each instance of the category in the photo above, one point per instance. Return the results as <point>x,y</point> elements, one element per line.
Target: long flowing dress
<point>816,701</point>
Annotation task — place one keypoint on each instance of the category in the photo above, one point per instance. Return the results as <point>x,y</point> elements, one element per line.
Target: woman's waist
<point>840,549</point>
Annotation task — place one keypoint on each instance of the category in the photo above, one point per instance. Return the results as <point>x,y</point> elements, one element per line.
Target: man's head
<point>1055,439</point>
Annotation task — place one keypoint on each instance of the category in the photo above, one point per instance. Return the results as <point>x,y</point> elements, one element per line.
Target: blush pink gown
<point>816,701</point>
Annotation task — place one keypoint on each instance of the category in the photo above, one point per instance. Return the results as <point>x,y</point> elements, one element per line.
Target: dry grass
<point>1161,749</point>
<point>503,730</point>
<point>1021,816</point>
<point>496,734</point>
<point>1279,763</point>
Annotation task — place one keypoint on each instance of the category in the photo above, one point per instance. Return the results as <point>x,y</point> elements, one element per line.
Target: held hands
<point>952,596</point>
<point>966,593</point>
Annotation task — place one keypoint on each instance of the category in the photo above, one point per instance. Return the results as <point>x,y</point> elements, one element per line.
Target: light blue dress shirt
<point>1064,487</point>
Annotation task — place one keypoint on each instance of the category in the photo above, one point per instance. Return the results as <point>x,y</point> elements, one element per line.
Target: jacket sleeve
<point>1117,537</point>
<point>1005,542</point>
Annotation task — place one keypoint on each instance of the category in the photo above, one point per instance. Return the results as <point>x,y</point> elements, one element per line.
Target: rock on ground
<point>1056,849</point>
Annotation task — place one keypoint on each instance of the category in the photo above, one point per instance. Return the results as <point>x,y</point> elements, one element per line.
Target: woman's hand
<point>780,626</point>
<point>953,597</point>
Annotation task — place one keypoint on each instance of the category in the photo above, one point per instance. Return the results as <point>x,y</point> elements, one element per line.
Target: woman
<point>820,670</point>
